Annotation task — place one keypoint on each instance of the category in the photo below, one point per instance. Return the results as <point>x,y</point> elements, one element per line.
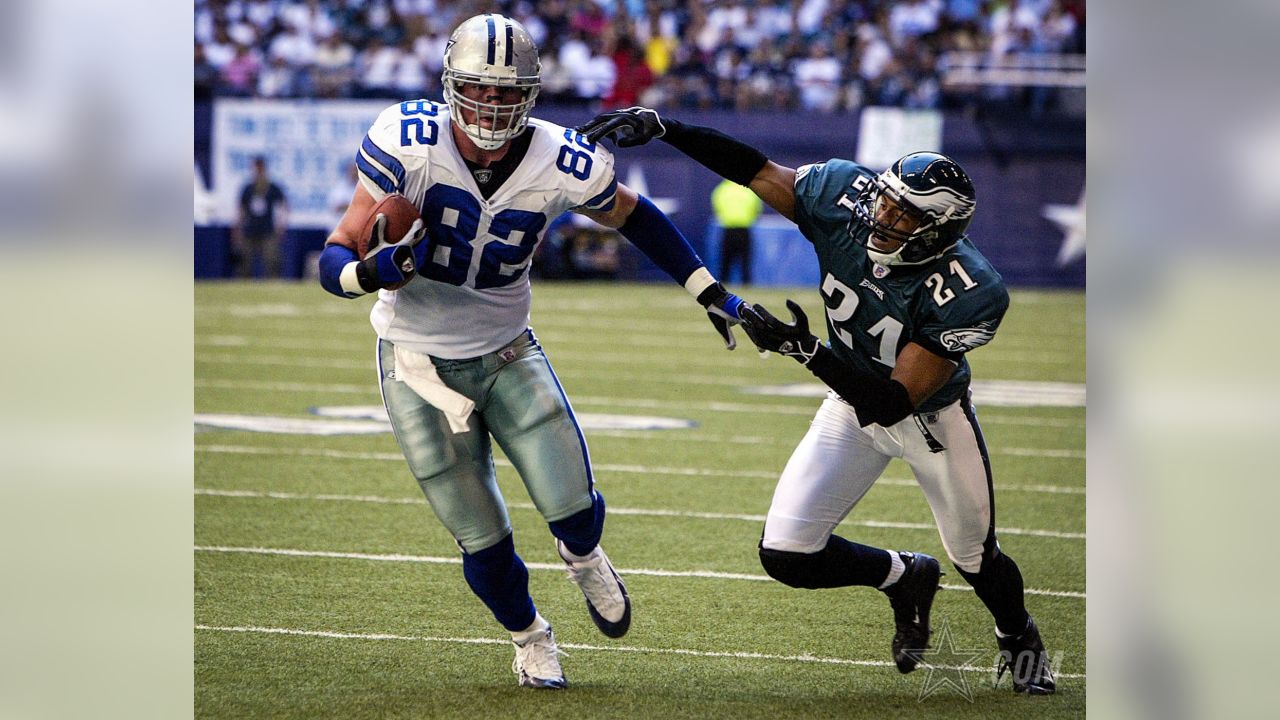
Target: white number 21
<point>889,329</point>
<point>943,294</point>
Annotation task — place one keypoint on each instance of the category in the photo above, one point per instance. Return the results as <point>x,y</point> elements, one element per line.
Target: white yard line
<point>370,389</point>
<point>1040,452</point>
<point>791,440</point>
<point>558,567</point>
<point>604,467</point>
<point>640,512</point>
<point>334,635</point>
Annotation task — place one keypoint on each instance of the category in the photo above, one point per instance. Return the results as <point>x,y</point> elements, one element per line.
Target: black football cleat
<point>1025,658</point>
<point>912,598</point>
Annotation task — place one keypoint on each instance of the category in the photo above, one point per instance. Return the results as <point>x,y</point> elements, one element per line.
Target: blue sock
<point>499,578</point>
<point>580,532</point>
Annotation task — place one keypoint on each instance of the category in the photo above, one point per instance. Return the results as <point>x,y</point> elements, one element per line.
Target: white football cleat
<point>607,599</point>
<point>536,664</point>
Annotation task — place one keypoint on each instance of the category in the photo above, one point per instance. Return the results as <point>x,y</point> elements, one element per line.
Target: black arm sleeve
<point>876,400</point>
<point>716,151</point>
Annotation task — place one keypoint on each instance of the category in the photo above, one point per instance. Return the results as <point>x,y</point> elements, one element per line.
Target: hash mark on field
<point>636,469</point>
<point>334,635</point>
<point>641,512</point>
<point>557,567</point>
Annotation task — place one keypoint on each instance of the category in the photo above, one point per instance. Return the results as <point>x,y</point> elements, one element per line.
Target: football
<point>400,214</point>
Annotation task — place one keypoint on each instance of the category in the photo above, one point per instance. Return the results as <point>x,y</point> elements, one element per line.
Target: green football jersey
<point>949,305</point>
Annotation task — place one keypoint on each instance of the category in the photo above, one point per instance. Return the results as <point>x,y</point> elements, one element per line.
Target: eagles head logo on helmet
<point>491,79</point>
<point>915,210</point>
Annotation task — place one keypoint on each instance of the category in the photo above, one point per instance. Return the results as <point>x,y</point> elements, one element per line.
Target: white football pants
<point>837,462</point>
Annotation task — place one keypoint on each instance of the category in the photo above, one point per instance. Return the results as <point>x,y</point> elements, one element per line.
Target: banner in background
<point>309,147</point>
<point>1029,223</point>
<point>887,133</point>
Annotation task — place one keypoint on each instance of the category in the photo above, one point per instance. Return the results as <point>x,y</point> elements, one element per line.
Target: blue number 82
<point>424,132</point>
<point>453,217</point>
<point>574,162</point>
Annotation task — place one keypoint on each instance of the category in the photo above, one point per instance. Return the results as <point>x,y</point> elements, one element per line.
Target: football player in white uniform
<point>458,362</point>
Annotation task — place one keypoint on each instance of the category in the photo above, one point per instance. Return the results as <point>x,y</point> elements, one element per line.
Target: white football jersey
<point>472,293</point>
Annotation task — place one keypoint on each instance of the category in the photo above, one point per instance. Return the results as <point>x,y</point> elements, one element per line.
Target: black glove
<point>723,308</point>
<point>386,264</point>
<point>627,128</point>
<point>769,333</point>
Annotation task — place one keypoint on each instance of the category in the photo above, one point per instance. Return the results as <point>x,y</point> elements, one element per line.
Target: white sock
<point>895,570</point>
<point>538,627</point>
<point>568,555</point>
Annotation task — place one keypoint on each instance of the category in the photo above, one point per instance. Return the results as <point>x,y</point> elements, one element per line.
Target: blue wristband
<point>333,260</point>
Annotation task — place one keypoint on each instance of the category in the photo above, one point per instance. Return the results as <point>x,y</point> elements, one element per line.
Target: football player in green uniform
<point>907,295</point>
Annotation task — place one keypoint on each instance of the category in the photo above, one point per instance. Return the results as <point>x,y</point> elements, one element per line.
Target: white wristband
<point>699,280</point>
<point>347,279</point>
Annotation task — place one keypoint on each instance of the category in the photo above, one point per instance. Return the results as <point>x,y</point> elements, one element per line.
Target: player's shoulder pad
<point>585,170</point>
<point>978,268</point>
<point>400,139</point>
<point>825,192</point>
<point>967,299</point>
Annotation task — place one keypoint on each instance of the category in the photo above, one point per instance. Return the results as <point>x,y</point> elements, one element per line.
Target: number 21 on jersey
<point>846,303</point>
<point>943,294</point>
<point>887,328</point>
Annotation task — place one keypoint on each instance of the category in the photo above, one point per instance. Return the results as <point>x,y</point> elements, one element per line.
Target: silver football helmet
<point>491,50</point>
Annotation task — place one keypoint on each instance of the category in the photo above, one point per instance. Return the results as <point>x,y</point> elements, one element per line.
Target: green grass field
<point>324,586</point>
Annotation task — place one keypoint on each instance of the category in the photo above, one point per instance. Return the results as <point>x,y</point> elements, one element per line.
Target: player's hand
<point>627,128</point>
<point>723,308</point>
<point>769,333</point>
<point>388,263</point>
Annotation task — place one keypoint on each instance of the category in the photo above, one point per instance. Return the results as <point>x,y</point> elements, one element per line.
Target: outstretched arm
<point>723,155</point>
<point>776,186</point>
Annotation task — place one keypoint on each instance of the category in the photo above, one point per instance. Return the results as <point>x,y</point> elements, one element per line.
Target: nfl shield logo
<point>879,271</point>
<point>507,354</point>
<point>483,175</point>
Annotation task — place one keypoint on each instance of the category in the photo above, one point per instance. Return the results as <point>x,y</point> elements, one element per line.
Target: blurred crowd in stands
<point>821,55</point>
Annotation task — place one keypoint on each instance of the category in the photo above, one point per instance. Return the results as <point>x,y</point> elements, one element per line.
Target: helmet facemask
<point>505,121</point>
<point>892,210</point>
<point>491,51</point>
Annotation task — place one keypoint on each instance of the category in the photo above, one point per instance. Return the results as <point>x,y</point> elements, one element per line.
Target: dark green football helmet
<point>924,200</point>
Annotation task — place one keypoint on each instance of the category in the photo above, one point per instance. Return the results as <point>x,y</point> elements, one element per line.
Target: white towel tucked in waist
<point>419,373</point>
